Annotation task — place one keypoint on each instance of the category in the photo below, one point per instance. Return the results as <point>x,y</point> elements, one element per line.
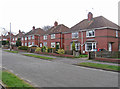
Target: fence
<point>104,54</point>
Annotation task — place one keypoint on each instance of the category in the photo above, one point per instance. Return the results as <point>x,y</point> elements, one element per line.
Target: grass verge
<point>11,80</point>
<point>37,56</point>
<point>100,66</point>
<point>11,51</point>
<point>82,56</point>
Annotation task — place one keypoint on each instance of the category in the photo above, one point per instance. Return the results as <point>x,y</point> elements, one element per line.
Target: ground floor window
<point>22,44</point>
<point>90,46</point>
<point>29,43</point>
<point>45,44</point>
<point>25,44</point>
<point>52,44</point>
<point>32,43</point>
<point>77,46</point>
<point>40,44</point>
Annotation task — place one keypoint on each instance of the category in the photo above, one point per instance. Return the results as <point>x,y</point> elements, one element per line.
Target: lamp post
<point>10,38</point>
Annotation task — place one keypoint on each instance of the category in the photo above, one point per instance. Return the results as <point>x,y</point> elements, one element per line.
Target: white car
<point>32,46</point>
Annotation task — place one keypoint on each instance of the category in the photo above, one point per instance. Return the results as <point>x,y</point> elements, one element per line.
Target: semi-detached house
<point>93,33</point>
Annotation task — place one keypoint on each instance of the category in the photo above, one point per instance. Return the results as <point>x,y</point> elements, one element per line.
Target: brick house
<point>32,37</point>
<point>54,36</point>
<point>93,33</point>
<point>16,37</point>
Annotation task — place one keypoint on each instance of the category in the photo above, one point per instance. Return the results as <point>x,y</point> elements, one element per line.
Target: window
<point>119,47</point>
<point>90,46</point>
<point>33,37</point>
<point>75,35</point>
<point>40,44</point>
<point>52,36</point>
<point>29,37</point>
<point>29,43</point>
<point>53,45</point>
<point>22,44</point>
<point>32,43</point>
<point>45,44</point>
<point>15,38</point>
<point>109,46</point>
<point>22,38</point>
<point>90,33</point>
<point>77,46</point>
<point>116,33</point>
<point>45,37</point>
<point>25,38</point>
<point>25,44</point>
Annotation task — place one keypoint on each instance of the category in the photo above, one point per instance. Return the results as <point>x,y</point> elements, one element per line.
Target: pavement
<point>44,73</point>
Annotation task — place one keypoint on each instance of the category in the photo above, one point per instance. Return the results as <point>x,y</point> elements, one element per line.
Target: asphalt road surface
<point>43,73</point>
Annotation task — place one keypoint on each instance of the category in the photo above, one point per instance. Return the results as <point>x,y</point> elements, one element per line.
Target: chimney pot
<point>19,31</point>
<point>90,16</point>
<point>33,27</point>
<point>56,23</point>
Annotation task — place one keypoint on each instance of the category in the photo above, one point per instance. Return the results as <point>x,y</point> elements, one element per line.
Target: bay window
<point>90,46</point>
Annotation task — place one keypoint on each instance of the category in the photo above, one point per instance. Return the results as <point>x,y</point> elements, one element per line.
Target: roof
<point>37,31</point>
<point>96,22</point>
<point>57,29</point>
<point>19,35</point>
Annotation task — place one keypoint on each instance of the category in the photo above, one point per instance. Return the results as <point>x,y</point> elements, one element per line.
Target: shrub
<point>73,46</point>
<point>38,49</point>
<point>46,50</point>
<point>23,47</point>
<point>60,51</point>
<point>57,47</point>
<point>49,50</point>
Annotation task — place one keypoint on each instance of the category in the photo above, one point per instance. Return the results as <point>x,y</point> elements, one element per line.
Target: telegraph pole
<point>10,38</point>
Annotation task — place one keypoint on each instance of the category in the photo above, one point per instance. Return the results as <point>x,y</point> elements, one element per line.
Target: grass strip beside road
<point>100,66</point>
<point>11,51</point>
<point>11,80</point>
<point>37,56</point>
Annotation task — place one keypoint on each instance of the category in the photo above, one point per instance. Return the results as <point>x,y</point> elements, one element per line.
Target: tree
<point>4,42</point>
<point>18,42</point>
<point>73,46</point>
<point>46,27</point>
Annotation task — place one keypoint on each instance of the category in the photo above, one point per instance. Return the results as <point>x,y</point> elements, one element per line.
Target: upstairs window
<point>29,37</point>
<point>33,37</point>
<point>45,37</point>
<point>116,33</point>
<point>75,35</point>
<point>52,36</point>
<point>25,38</point>
<point>90,33</point>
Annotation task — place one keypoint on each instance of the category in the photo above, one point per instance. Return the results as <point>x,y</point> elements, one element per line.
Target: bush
<point>49,50</point>
<point>23,47</point>
<point>46,50</point>
<point>57,47</point>
<point>61,51</point>
<point>38,49</point>
<point>73,46</point>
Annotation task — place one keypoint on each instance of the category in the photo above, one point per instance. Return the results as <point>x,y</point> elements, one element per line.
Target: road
<point>43,73</point>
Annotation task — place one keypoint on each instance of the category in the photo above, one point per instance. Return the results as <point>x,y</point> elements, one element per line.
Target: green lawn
<point>37,56</point>
<point>11,51</point>
<point>102,66</point>
<point>11,80</point>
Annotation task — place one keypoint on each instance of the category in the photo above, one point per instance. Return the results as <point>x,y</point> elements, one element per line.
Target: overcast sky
<point>23,14</point>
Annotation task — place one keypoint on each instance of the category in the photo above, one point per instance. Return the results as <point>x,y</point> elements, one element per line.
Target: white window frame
<point>32,43</point>
<point>45,44</point>
<point>25,44</point>
<point>116,33</point>
<point>13,39</point>
<point>45,37</point>
<point>25,38</point>
<point>109,46</point>
<point>33,36</point>
<point>52,44</point>
<point>52,36</point>
<point>87,33</point>
<point>92,46</point>
<point>75,34</point>
<point>16,38</point>
<point>29,37</point>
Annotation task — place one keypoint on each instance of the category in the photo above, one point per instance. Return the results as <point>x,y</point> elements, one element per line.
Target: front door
<point>109,46</point>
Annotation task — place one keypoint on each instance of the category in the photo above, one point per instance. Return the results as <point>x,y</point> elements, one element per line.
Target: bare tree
<point>46,27</point>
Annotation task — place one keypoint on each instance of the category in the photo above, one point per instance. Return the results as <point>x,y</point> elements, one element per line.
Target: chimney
<point>33,27</point>
<point>90,16</point>
<point>56,23</point>
<point>19,31</point>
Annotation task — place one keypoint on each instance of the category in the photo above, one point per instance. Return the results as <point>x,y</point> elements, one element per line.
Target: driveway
<point>43,73</point>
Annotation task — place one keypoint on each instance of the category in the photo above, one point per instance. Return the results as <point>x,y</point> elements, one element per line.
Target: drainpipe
<point>81,42</point>
<point>61,39</point>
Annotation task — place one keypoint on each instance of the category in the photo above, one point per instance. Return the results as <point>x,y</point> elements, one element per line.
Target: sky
<point>24,14</point>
